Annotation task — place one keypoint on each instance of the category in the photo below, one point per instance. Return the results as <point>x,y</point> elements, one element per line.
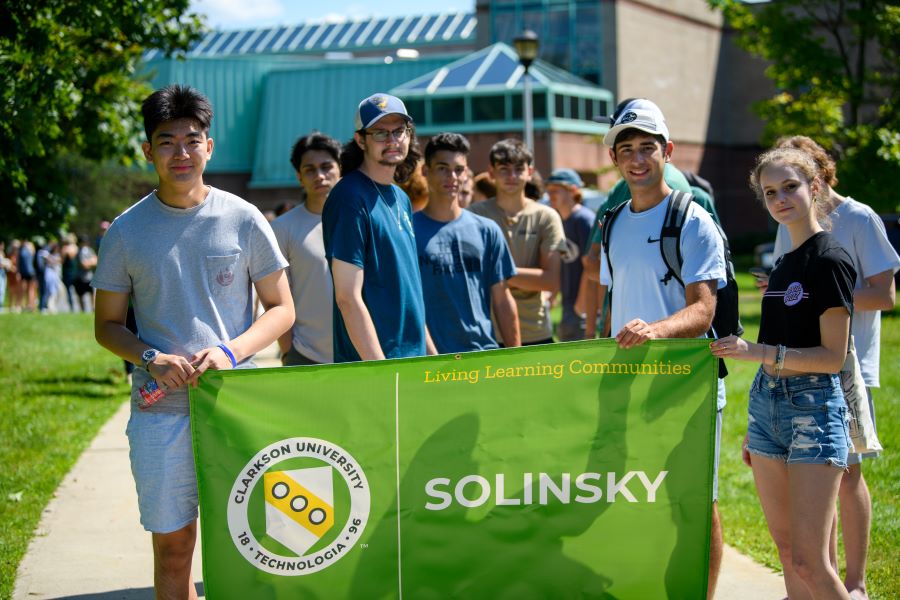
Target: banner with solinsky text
<point>558,471</point>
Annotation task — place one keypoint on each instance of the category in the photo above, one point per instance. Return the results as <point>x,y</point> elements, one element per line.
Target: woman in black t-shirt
<point>797,433</point>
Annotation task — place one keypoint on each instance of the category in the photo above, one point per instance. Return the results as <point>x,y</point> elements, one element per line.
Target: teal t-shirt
<point>370,225</point>
<point>674,178</point>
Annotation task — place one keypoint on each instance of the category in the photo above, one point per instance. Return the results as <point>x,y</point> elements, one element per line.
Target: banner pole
<point>397,464</point>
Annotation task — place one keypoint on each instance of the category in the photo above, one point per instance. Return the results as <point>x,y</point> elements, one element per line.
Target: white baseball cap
<point>641,114</point>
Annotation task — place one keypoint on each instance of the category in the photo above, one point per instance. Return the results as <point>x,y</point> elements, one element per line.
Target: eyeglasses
<point>381,135</point>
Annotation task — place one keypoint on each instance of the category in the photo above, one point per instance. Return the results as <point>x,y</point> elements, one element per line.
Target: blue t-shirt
<point>578,230</point>
<point>460,261</point>
<point>26,262</point>
<point>369,225</point>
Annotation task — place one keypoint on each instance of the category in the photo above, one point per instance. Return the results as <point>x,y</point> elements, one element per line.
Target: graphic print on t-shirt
<point>792,295</point>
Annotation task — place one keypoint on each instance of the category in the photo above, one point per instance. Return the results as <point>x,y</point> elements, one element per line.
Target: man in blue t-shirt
<point>369,242</point>
<point>564,189</point>
<point>464,260</point>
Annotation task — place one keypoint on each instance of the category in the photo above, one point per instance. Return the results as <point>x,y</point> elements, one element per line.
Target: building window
<point>538,106</point>
<point>560,106</point>
<point>447,110</point>
<point>574,107</point>
<point>590,109</point>
<point>570,31</point>
<point>488,108</point>
<point>416,109</point>
<point>587,48</point>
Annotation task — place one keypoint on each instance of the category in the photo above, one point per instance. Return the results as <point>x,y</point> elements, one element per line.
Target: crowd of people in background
<point>48,276</point>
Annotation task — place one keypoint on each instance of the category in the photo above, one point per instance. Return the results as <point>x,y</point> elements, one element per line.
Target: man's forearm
<point>588,293</point>
<point>878,293</point>
<point>119,340</point>
<point>285,341</point>
<point>430,347</point>
<point>534,280</point>
<point>361,329</point>
<point>277,320</point>
<point>591,263</point>
<point>508,320</point>
<point>691,321</point>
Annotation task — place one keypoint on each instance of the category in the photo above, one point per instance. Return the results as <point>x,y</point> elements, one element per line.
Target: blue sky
<point>241,14</point>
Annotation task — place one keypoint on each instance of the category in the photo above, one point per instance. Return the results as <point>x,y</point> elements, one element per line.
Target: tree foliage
<point>102,190</point>
<point>836,68</point>
<point>70,87</point>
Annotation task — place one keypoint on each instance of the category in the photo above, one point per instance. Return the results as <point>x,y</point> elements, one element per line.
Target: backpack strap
<point>606,231</point>
<point>729,263</point>
<point>670,235</point>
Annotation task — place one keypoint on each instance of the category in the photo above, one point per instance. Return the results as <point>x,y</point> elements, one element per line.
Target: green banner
<point>557,471</point>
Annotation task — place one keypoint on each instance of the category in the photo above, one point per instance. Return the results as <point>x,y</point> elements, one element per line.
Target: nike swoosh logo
<point>650,240</point>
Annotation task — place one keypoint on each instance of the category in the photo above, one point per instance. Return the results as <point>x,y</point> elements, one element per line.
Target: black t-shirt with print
<point>804,284</point>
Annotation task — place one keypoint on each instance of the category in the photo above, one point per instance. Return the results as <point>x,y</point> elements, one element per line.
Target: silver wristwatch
<point>148,357</point>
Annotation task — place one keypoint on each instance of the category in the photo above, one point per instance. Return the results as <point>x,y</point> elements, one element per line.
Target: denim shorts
<point>800,419</point>
<point>162,463</point>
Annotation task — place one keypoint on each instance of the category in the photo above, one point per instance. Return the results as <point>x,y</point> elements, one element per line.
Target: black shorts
<point>82,287</point>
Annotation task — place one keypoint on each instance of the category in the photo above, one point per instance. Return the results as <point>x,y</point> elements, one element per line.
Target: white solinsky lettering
<point>472,491</point>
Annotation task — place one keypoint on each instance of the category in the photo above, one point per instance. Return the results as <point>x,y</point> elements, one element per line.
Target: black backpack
<point>726,320</point>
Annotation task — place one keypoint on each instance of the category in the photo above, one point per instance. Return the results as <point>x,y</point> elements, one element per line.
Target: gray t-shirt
<point>189,273</point>
<point>861,232</point>
<point>299,234</point>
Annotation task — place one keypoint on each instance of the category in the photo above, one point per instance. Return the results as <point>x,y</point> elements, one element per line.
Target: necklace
<point>396,202</point>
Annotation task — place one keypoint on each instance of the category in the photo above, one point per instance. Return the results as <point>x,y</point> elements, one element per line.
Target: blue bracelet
<point>228,353</point>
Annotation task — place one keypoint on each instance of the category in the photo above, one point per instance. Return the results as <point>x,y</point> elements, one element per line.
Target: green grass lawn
<point>742,519</point>
<point>57,387</point>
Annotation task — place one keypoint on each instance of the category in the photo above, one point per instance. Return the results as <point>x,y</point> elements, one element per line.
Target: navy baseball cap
<point>377,106</point>
<point>565,177</point>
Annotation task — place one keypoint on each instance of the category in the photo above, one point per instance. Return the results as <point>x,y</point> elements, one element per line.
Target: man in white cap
<point>648,302</point>
<point>619,194</point>
<point>369,242</point>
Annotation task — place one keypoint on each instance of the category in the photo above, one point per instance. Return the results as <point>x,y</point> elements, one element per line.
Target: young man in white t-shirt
<point>646,303</point>
<point>316,160</point>
<point>186,255</point>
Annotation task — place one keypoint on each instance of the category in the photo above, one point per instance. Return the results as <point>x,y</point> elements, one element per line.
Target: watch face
<point>149,355</point>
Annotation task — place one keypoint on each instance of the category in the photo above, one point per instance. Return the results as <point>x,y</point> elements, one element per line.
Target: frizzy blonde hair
<point>826,165</point>
<point>791,157</point>
<point>805,166</point>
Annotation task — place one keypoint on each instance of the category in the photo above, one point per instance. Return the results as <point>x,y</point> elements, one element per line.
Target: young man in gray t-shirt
<point>316,160</point>
<point>186,256</point>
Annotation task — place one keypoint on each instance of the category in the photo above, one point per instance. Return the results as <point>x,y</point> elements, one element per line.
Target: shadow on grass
<point>128,594</point>
<point>79,386</point>
<point>109,379</point>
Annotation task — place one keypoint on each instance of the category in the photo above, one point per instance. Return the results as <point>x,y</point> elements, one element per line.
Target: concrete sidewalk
<point>90,545</point>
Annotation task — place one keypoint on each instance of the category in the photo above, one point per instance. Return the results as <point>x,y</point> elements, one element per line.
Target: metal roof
<point>234,87</point>
<point>346,36</point>
<point>482,92</point>
<point>495,68</point>
<point>321,97</point>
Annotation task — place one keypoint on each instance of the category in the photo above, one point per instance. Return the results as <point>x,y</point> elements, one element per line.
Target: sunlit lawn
<point>57,387</point>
